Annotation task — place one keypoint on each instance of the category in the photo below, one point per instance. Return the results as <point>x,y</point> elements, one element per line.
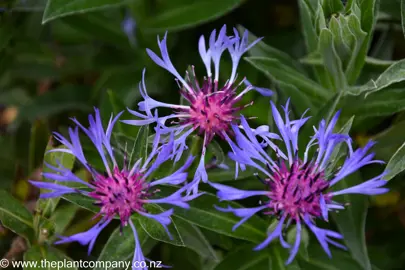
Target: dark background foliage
<point>60,58</point>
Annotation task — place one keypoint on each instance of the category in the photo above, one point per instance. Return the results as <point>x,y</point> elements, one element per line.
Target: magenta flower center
<point>211,110</point>
<point>120,194</point>
<point>297,191</point>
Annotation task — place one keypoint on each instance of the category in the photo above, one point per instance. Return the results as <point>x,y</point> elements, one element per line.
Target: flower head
<point>297,189</point>
<point>118,191</point>
<point>212,108</point>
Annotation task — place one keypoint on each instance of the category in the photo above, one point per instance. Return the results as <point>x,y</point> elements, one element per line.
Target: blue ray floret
<point>118,191</point>
<point>211,108</point>
<point>297,190</point>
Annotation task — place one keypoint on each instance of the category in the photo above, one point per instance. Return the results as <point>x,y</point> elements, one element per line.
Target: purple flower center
<point>120,194</point>
<point>211,110</point>
<point>297,191</point>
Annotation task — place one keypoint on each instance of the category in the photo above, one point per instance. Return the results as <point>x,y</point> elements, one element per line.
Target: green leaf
<point>394,74</point>
<point>219,175</point>
<point>396,164</point>
<point>82,201</point>
<point>99,26</point>
<point>299,100</point>
<point>262,49</point>
<point>182,14</point>
<point>358,42</point>
<point>318,260</point>
<point>141,143</point>
<point>38,142</point>
<point>331,60</point>
<point>45,257</point>
<point>15,216</point>
<point>382,103</point>
<point>120,246</point>
<point>47,206</point>
<point>202,213</point>
<point>63,216</point>
<point>279,72</point>
<point>389,140</point>
<point>403,16</point>
<point>155,230</point>
<point>245,258</point>
<point>351,221</point>
<point>217,151</point>
<point>332,6</point>
<point>194,239</point>
<point>307,14</point>
<point>60,8</point>
<point>369,9</point>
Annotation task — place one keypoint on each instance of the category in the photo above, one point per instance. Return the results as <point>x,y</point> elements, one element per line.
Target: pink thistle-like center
<point>297,191</point>
<point>120,194</point>
<point>212,111</point>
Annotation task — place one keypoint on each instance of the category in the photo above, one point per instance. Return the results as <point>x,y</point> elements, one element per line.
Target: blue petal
<point>294,250</point>
<point>138,254</point>
<point>231,193</point>
<point>165,61</point>
<point>176,198</point>
<point>263,91</point>
<point>370,187</point>
<point>244,213</point>
<point>86,238</point>
<point>356,160</point>
<point>276,233</point>
<point>58,190</point>
<point>323,236</point>
<point>163,218</point>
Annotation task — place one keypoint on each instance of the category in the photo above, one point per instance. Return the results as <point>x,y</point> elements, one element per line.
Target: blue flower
<point>212,108</point>
<point>119,192</point>
<point>128,25</point>
<point>297,189</point>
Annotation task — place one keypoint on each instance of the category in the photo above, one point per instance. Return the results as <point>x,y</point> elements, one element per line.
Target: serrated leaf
<point>120,247</point>
<point>60,8</point>
<point>351,221</point>
<point>182,14</point>
<point>202,213</point>
<point>45,257</point>
<point>396,164</point>
<point>15,216</point>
